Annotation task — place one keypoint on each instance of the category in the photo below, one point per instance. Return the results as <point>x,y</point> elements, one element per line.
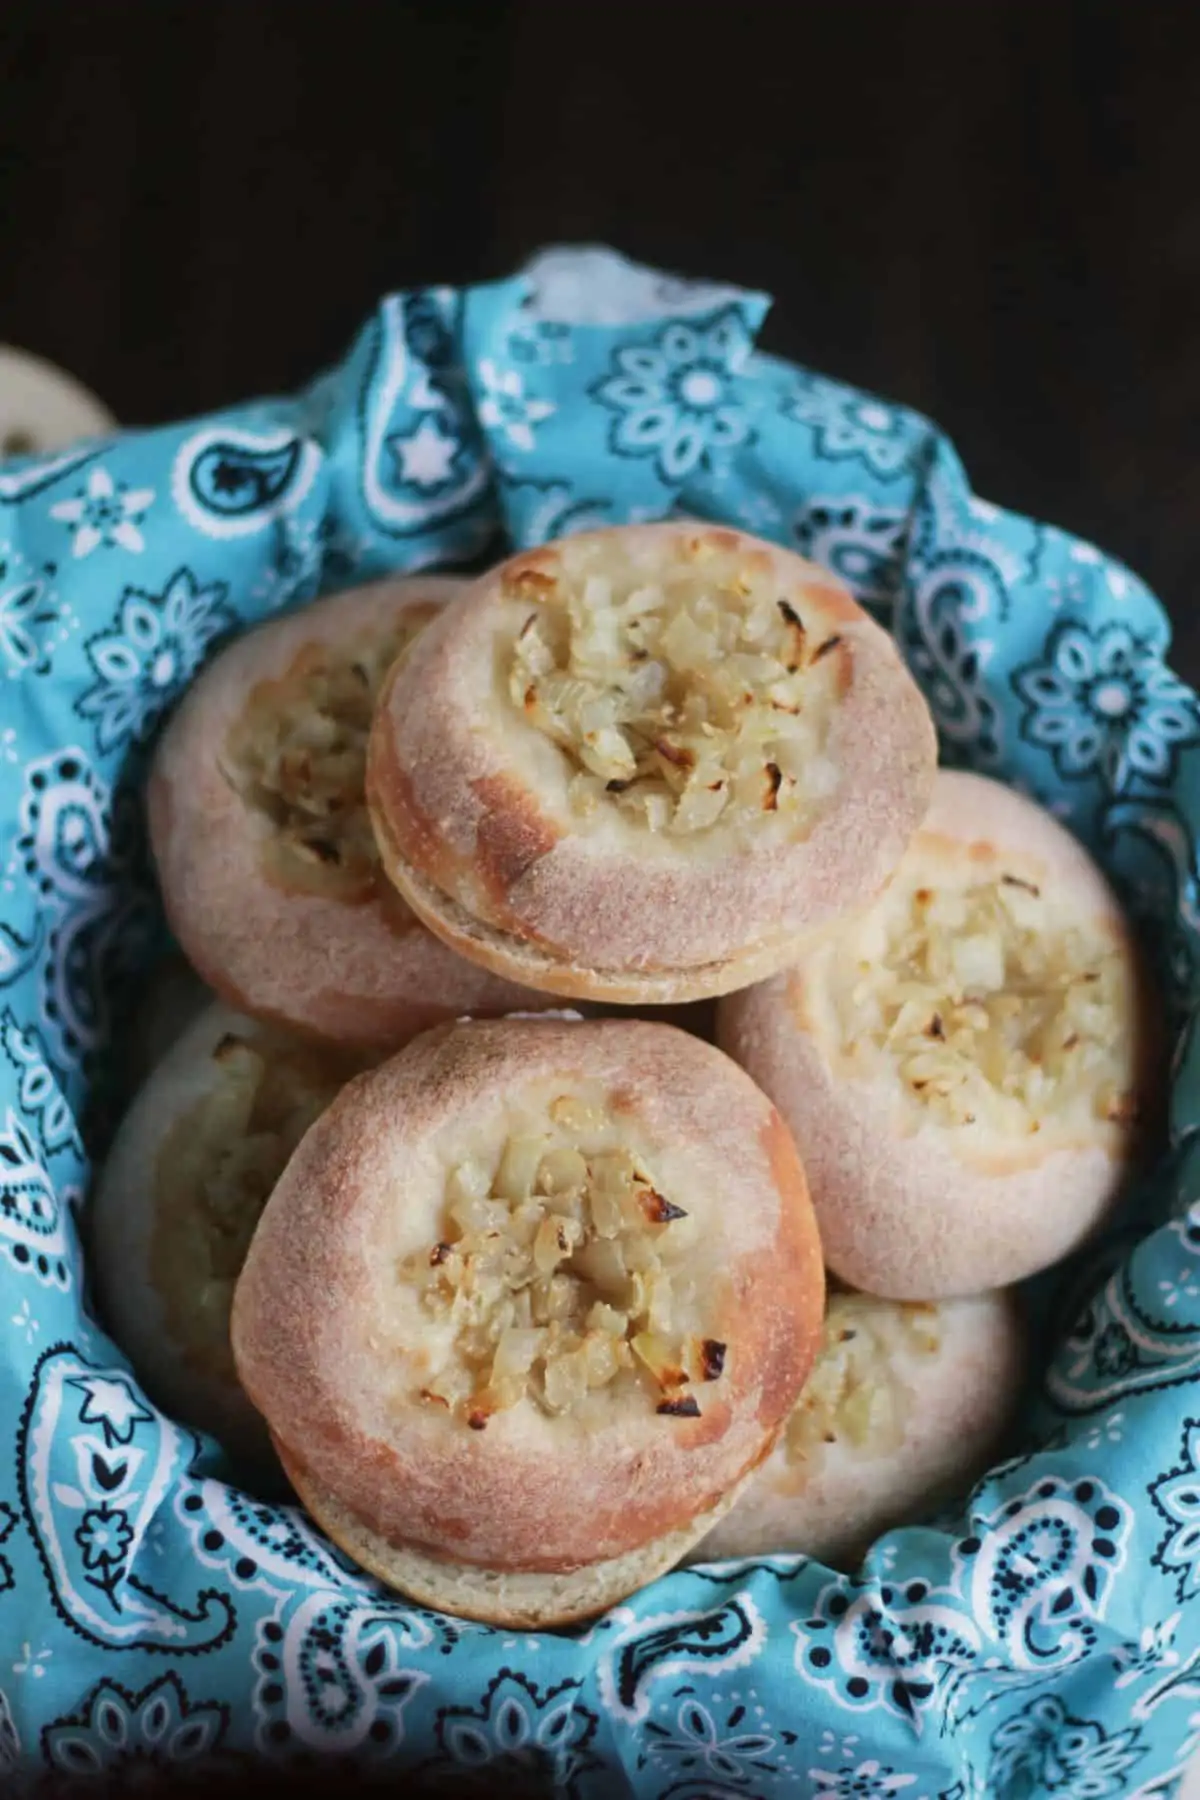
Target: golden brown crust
<point>544,971</point>
<point>907,1208</point>
<point>356,971</point>
<point>520,1600</point>
<point>330,1362</point>
<point>467,803</point>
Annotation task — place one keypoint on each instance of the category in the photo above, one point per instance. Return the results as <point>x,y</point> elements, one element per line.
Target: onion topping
<point>991,1005</point>
<point>216,1170</point>
<point>298,755</point>
<point>681,688</point>
<point>559,1271</point>
<point>855,1395</point>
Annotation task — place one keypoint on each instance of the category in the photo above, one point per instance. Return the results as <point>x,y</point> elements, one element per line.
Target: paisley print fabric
<point>1043,1639</point>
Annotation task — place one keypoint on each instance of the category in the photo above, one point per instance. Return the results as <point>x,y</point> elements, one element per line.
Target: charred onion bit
<point>659,1210</point>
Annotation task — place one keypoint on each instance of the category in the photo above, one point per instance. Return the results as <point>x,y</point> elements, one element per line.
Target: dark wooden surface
<point>988,210</point>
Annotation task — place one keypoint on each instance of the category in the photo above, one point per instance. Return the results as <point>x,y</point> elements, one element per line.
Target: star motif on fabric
<point>110,1404</point>
<point>228,478</point>
<point>424,459</point>
<point>105,512</point>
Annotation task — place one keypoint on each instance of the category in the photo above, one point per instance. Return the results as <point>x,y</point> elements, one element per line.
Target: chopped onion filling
<point>991,1008</point>
<point>558,1268</point>
<point>682,694</point>
<point>298,754</point>
<point>854,1394</point>
<point>216,1171</point>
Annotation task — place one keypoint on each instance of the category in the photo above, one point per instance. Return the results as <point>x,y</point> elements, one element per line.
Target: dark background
<point>989,209</point>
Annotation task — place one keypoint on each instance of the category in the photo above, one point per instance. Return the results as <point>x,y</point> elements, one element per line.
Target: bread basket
<point>1045,1638</point>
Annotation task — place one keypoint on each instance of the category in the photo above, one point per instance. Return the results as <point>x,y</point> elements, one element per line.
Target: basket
<point>1045,1638</point>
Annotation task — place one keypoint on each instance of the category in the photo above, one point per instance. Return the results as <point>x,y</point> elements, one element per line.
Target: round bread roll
<point>530,1302</point>
<point>178,1199</point>
<point>642,764</point>
<point>269,871</point>
<point>964,1062</point>
<point>42,408</point>
<point>905,1408</point>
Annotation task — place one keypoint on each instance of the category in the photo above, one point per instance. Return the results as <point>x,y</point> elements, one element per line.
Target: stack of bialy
<point>529,1304</point>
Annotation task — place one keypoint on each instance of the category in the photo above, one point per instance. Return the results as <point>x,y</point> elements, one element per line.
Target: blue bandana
<point>1044,1639</point>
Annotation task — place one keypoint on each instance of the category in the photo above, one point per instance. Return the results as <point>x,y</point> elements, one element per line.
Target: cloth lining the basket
<point>1044,1640</point>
